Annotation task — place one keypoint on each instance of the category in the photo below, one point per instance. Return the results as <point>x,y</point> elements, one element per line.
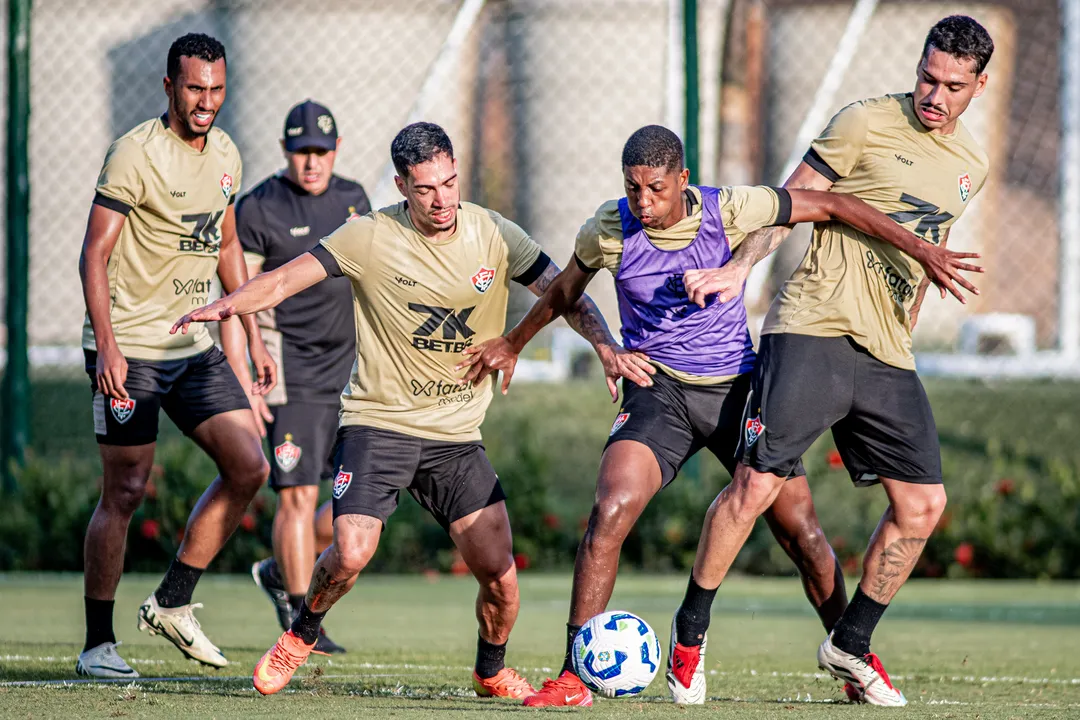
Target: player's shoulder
<point>346,186</point>
<point>266,192</point>
<point>220,142</point>
<point>965,140</point>
<point>133,143</point>
<point>485,220</point>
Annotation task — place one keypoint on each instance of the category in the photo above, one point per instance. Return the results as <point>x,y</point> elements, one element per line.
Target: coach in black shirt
<point>283,217</point>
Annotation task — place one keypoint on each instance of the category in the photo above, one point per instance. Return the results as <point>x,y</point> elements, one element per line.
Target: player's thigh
<point>656,418</point>
<point>206,388</point>
<point>801,386</point>
<point>133,421</point>
<point>300,442</point>
<point>484,539</point>
<point>890,432</point>
<point>792,516</point>
<point>373,467</point>
<point>454,480</point>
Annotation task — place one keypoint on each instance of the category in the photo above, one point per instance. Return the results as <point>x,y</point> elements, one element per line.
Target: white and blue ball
<point>616,654</point>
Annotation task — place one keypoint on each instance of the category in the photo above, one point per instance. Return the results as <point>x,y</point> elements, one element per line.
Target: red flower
<point>551,521</point>
<point>851,565</point>
<point>583,523</point>
<point>248,522</point>
<point>521,561</point>
<point>835,461</point>
<point>965,554</point>
<point>1005,487</point>
<point>180,536</point>
<point>838,542</point>
<point>259,503</point>
<point>150,529</point>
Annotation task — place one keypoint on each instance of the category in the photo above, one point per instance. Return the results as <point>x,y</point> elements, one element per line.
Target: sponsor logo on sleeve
<point>341,483</point>
<point>287,454</point>
<point>482,279</point>
<point>122,409</point>
<point>226,185</point>
<point>754,428</point>
<point>620,420</point>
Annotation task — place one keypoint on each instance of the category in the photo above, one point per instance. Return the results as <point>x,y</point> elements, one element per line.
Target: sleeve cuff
<point>232,199</point>
<point>783,210</point>
<point>327,260</point>
<point>112,204</point>
<point>814,160</point>
<point>583,267</point>
<point>540,264</point>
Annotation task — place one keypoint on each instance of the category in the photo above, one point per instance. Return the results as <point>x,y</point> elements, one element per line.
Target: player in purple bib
<point>689,358</point>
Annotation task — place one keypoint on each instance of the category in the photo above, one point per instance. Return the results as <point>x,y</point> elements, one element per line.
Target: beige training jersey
<point>165,259</point>
<point>419,304</point>
<point>855,285</point>
<point>744,209</point>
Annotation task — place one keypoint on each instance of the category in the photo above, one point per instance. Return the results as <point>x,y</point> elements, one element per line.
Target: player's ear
<point>337,145</point>
<point>167,83</point>
<point>980,84</point>
<point>684,179</point>
<point>400,182</point>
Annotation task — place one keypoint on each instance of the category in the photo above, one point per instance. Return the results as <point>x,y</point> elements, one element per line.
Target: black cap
<point>310,124</point>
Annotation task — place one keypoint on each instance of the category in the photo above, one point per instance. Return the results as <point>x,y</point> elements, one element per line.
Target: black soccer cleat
<point>325,646</point>
<point>266,576</point>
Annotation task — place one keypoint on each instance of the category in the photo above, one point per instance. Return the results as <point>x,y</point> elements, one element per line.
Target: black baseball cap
<point>310,124</point>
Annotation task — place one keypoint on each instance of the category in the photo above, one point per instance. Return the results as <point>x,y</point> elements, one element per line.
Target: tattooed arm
<point>561,293</point>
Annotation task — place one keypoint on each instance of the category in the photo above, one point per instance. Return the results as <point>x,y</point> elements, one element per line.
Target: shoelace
<point>559,682</point>
<point>513,680</point>
<point>280,658</point>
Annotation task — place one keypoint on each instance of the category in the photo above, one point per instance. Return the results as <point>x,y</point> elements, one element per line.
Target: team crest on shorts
<point>965,186</point>
<point>287,454</point>
<point>754,428</point>
<point>620,420</point>
<point>482,279</point>
<point>122,409</point>
<point>341,483</point>
<point>226,185</point>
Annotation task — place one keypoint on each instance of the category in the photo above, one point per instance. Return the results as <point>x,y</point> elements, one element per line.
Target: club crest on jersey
<point>620,420</point>
<point>226,185</point>
<point>341,483</point>
<point>482,279</point>
<point>353,215</point>
<point>287,454</point>
<point>754,428</point>
<point>965,186</point>
<point>122,409</point>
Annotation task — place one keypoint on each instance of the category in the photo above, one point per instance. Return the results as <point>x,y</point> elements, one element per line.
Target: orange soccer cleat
<point>565,690</point>
<point>507,683</point>
<point>275,669</point>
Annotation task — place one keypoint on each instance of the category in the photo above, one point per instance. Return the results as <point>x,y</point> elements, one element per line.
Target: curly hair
<point>653,146</point>
<point>963,38</point>
<point>418,143</point>
<point>194,45</point>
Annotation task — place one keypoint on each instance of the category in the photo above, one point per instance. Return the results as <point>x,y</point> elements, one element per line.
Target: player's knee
<point>353,551</point>
<point>752,493</point>
<point>614,515</point>
<point>919,512</point>
<point>124,496</point>
<point>298,501</point>
<point>500,580</point>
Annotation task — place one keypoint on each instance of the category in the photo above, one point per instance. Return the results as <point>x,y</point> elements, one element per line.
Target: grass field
<point>957,649</point>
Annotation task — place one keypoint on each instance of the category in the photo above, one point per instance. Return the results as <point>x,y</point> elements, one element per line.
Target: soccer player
<point>430,277</point>
<point>836,345</point>
<point>698,353</point>
<point>280,219</point>
<point>161,225</point>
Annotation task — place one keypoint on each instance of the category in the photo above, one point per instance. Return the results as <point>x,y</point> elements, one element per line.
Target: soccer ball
<point>616,654</point>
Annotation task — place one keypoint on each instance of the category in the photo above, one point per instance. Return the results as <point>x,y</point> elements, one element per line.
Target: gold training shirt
<point>166,257</point>
<point>418,305</point>
<point>744,209</point>
<point>850,283</point>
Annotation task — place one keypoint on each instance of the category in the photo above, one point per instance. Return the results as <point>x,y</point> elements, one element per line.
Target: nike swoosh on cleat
<point>571,698</point>
<point>112,669</point>
<point>161,629</point>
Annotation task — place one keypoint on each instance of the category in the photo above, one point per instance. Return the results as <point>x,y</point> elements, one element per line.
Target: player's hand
<point>943,268</point>
<point>111,372</point>
<point>265,367</point>
<point>490,356</point>
<point>725,282</point>
<point>214,312</point>
<point>262,413</point>
<point>619,362</point>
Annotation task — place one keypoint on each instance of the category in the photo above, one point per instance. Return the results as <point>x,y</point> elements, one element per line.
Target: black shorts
<point>879,414</point>
<point>675,420</point>
<point>450,480</point>
<point>190,390</point>
<point>302,441</point>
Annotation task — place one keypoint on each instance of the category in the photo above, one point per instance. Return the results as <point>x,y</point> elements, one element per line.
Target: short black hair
<point>653,146</point>
<point>418,143</point>
<point>963,38</point>
<point>195,45</point>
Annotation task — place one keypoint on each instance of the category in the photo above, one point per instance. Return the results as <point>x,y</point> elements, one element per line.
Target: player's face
<point>944,86</point>
<point>196,95</point>
<point>655,195</point>
<point>311,168</point>
<point>433,194</point>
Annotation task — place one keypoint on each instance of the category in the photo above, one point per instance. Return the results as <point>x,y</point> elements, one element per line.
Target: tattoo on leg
<point>325,591</point>
<point>897,560</point>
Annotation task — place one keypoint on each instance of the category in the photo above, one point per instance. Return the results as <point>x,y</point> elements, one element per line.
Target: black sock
<point>296,601</point>
<point>571,633</point>
<point>178,584</point>
<point>853,630</point>
<point>490,659</point>
<point>693,616</point>
<point>99,629</point>
<point>307,622</point>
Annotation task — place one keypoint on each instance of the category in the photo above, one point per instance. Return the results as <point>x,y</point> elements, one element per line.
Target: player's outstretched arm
<point>260,293</point>
<point>102,231</point>
<point>943,266</point>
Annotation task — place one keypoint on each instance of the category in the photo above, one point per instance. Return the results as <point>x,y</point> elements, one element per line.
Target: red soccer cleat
<point>565,690</point>
<point>507,684</point>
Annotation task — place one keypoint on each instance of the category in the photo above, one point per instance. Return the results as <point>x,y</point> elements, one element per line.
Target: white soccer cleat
<point>179,626</point>
<point>103,662</point>
<point>686,671</point>
<point>866,675</point>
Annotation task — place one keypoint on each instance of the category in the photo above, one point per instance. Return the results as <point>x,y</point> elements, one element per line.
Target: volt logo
<point>930,217</point>
<point>454,325</point>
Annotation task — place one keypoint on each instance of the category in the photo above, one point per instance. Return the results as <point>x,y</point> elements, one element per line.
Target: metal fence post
<point>690,55</point>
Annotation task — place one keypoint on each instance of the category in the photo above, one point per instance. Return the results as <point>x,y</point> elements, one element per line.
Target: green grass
<point>957,649</point>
